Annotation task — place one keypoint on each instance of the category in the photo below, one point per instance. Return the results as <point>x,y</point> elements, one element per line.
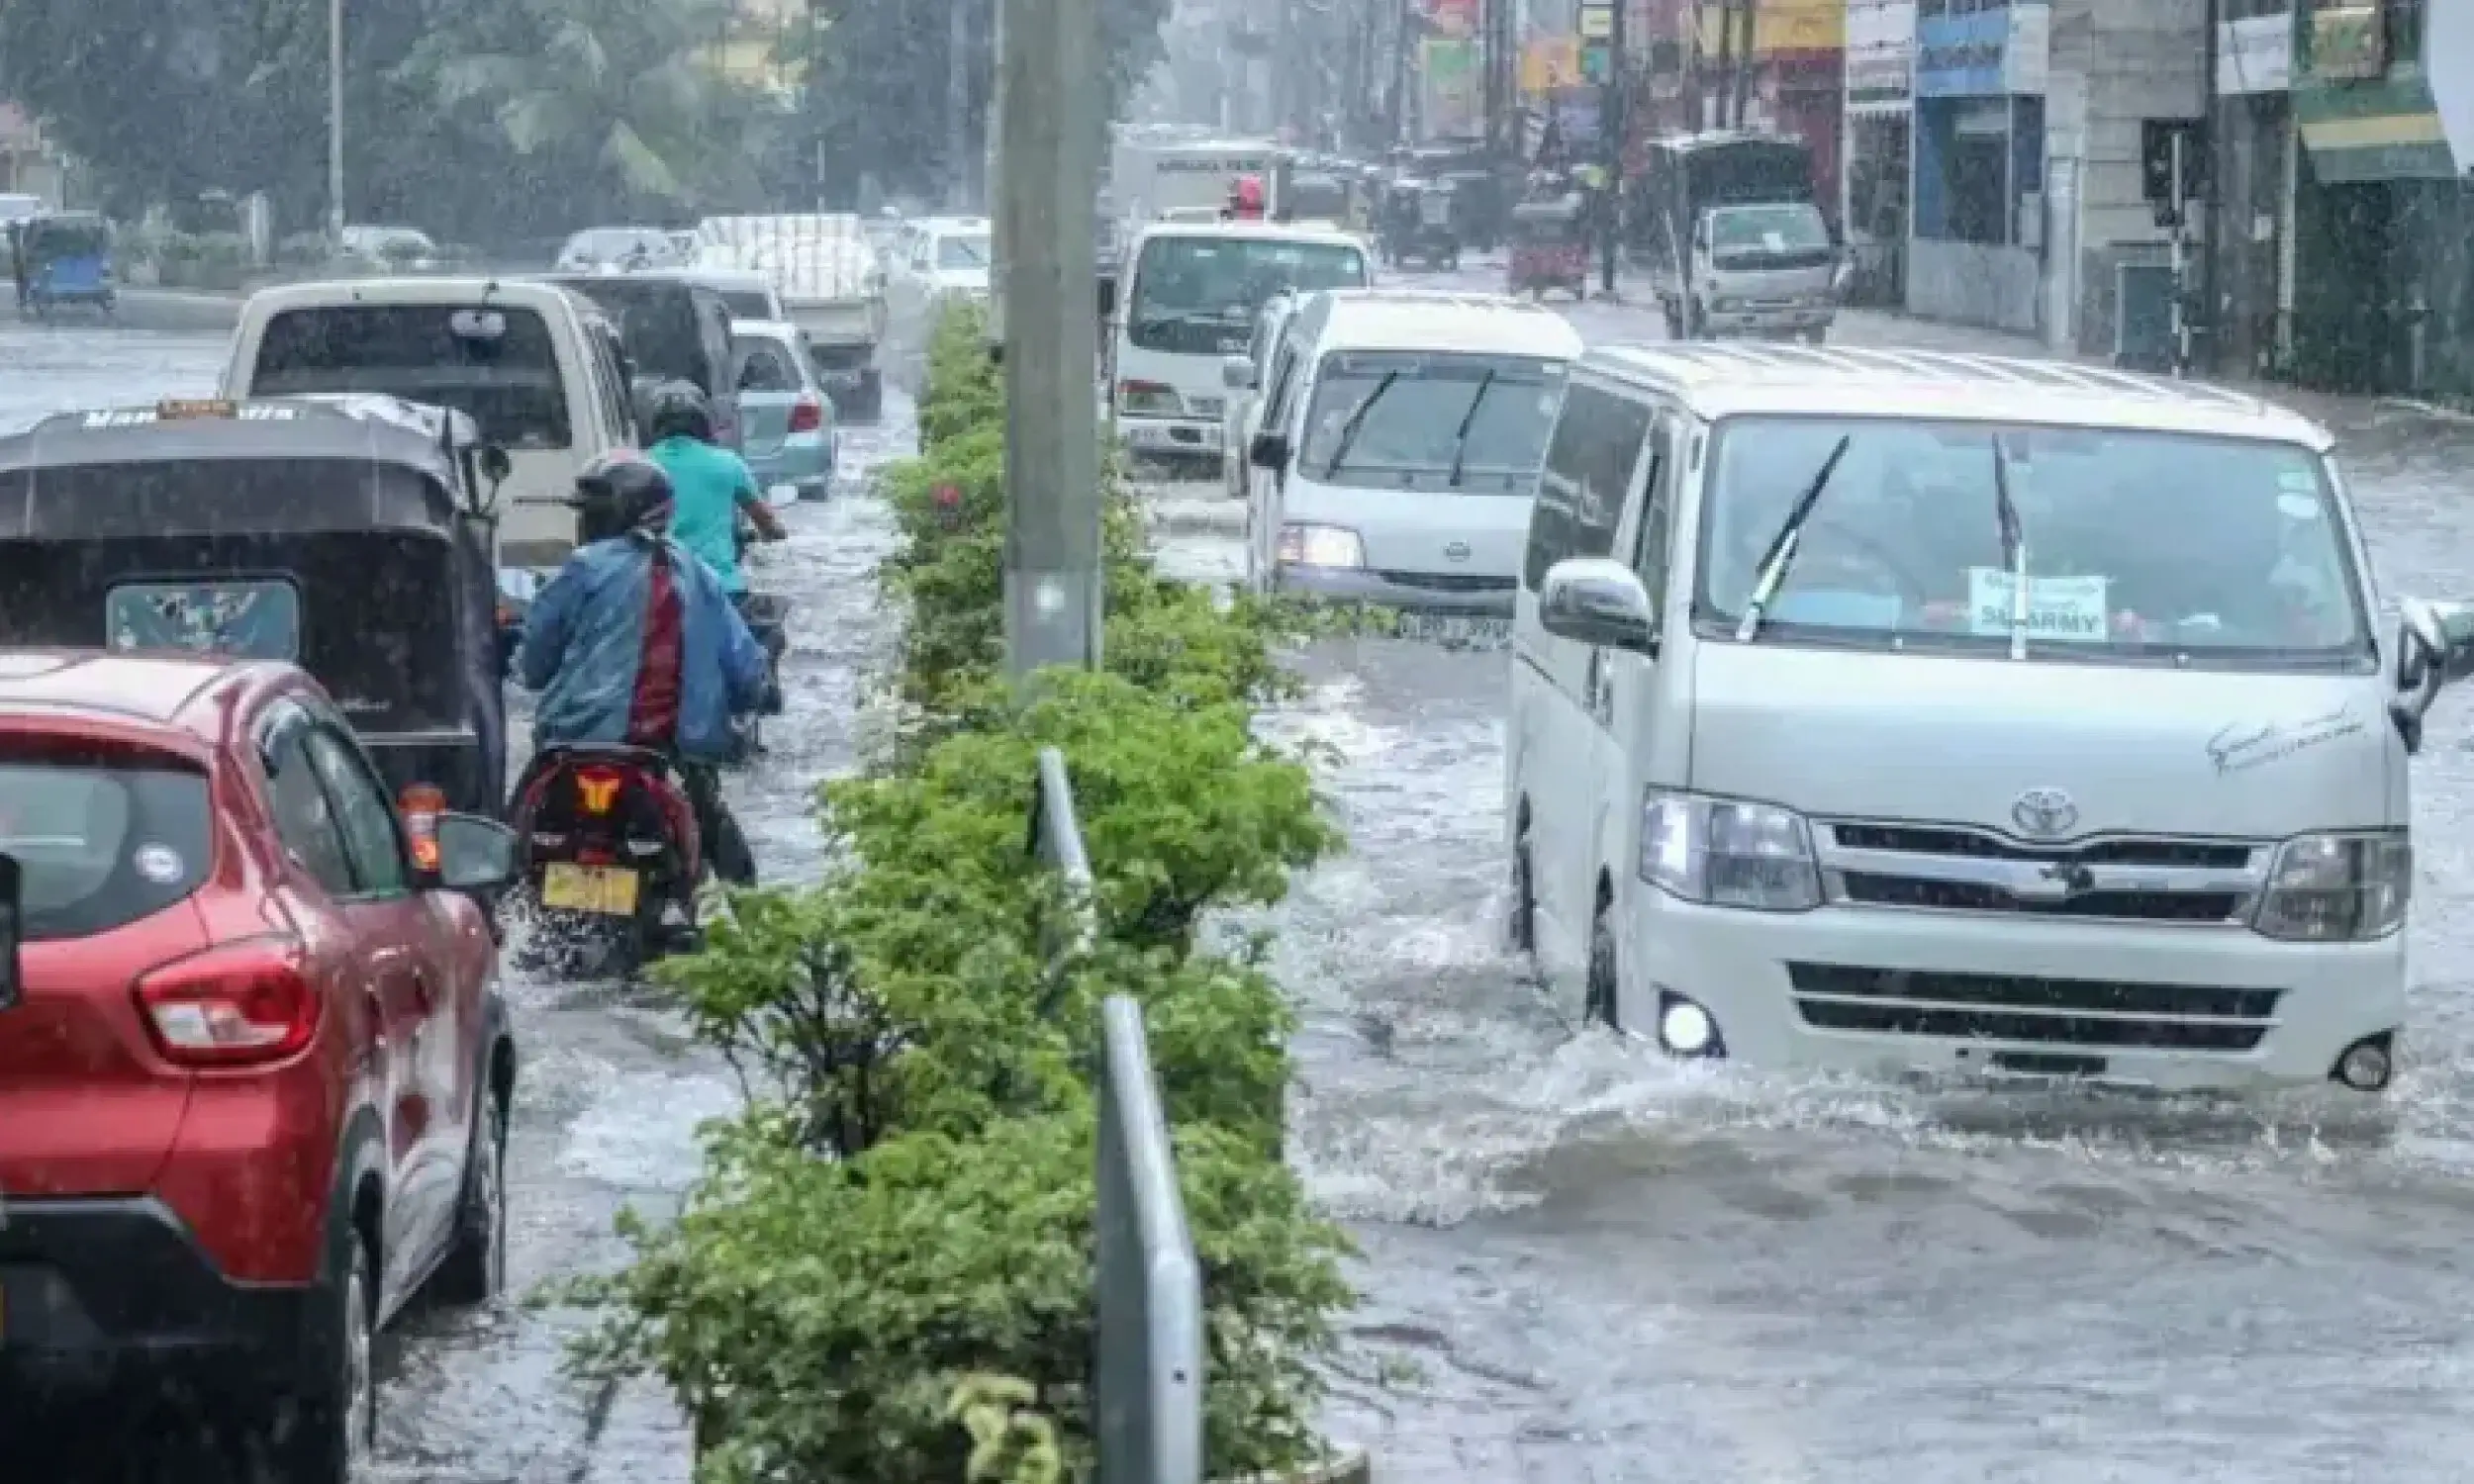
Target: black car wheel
<point>475,1270</point>
<point>323,1426</point>
<point>1603,1004</point>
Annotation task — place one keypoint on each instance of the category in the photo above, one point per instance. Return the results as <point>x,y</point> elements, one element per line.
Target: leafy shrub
<point>906,1209</point>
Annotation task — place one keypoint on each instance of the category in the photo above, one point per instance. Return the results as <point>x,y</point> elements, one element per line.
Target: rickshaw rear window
<point>510,384</point>
<point>104,837</point>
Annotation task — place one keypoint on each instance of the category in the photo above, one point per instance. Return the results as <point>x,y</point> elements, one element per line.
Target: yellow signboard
<point>1780,26</point>
<point>1550,64</point>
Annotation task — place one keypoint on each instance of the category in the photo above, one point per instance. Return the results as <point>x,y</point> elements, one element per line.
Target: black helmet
<point>679,410</point>
<point>620,492</point>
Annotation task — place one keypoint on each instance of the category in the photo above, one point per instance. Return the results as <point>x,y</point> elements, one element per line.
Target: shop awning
<point>2384,147</point>
<point>2371,130</point>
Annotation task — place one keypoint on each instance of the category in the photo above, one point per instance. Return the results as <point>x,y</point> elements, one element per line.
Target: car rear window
<point>748,304</point>
<point>510,384</point>
<point>102,839</point>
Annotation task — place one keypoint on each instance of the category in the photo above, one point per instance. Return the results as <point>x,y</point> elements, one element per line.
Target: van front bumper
<point>1170,438</point>
<point>2171,1007</point>
<point>1419,592</point>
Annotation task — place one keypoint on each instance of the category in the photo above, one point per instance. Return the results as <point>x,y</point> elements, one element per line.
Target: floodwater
<point>1598,1266</point>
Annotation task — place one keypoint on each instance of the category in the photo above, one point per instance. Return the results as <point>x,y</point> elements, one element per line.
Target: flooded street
<point>610,1092</point>
<point>1604,1267</point>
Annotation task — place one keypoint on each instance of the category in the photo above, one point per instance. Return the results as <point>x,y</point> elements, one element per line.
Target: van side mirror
<point>1270,450</point>
<point>2434,649</point>
<point>494,464</point>
<point>1597,602</point>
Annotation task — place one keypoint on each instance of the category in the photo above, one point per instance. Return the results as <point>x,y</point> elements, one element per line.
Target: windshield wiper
<point>2013,550</point>
<point>1784,545</point>
<point>1357,419</point>
<point>1460,438</point>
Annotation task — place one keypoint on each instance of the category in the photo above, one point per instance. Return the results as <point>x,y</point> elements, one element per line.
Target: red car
<point>254,1067</point>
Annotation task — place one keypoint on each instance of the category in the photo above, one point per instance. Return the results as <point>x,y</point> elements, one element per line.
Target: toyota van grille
<point>2114,878</point>
<point>2035,1011</point>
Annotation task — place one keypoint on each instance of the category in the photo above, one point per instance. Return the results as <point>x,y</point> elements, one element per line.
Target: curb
<point>1348,1466</point>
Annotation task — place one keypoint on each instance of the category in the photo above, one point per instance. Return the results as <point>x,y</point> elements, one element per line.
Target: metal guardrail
<point>1149,1281</point>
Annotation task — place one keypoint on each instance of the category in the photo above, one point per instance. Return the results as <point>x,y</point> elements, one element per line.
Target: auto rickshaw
<point>1419,226</point>
<point>354,535</point>
<point>1551,247</point>
<point>63,259</point>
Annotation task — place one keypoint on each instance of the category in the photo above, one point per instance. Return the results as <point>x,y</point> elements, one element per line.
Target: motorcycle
<point>609,850</point>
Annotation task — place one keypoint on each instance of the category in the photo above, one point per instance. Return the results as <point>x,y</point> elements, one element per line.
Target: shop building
<point>2030,119</point>
<point>1976,252</point>
<point>1793,81</point>
<point>2383,98</point>
<point>2256,151</point>
<point>1879,111</point>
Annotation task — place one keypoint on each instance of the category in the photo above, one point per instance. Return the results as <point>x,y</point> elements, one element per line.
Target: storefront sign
<point>1984,54</point>
<point>2349,42</point>
<point>1781,26</point>
<point>1550,63</point>
<point>1598,22</point>
<point>1448,71</point>
<point>2255,55</point>
<point>1880,55</point>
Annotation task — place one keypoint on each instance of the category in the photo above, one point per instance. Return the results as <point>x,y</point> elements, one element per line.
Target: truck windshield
<point>1786,236</point>
<point>2140,546</point>
<point>1484,418</point>
<point>1198,294</point>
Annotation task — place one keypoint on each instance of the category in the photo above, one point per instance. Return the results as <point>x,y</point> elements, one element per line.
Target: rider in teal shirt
<point>712,485</point>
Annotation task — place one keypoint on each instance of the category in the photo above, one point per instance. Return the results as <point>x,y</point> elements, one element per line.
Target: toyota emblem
<point>2046,814</point>
<point>1457,551</point>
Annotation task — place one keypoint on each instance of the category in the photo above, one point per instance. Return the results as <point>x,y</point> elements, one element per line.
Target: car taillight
<point>807,414</point>
<point>421,804</point>
<point>240,1004</point>
<point>597,789</point>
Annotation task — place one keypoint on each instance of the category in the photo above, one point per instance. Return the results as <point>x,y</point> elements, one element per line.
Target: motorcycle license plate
<point>607,889</point>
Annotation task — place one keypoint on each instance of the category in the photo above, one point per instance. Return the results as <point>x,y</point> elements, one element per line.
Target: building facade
<point>2383,99</point>
<point>1880,169</point>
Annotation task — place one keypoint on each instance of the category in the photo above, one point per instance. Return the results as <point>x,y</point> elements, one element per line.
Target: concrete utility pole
<point>334,118</point>
<point>958,108</point>
<point>1613,123</point>
<point>1051,126</point>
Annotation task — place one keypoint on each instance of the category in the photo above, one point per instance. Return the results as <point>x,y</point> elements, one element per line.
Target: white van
<point>1188,304</point>
<point>538,370</point>
<point>1398,448</point>
<point>1801,772</point>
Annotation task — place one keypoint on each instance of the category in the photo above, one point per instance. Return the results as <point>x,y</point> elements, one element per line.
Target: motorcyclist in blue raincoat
<point>636,643</point>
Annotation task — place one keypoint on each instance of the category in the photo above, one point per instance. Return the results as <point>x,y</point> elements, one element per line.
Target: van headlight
<point>1320,546</point>
<point>1728,853</point>
<point>2337,889</point>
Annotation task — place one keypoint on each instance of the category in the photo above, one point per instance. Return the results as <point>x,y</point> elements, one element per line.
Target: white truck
<point>832,286</point>
<point>1163,180</point>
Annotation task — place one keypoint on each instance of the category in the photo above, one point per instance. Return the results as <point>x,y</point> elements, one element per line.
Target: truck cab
<point>1736,242</point>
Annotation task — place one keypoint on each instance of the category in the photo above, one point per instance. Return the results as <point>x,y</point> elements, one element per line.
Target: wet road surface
<point>1606,1268</point>
<point>610,1092</point>
<point>1603,1268</point>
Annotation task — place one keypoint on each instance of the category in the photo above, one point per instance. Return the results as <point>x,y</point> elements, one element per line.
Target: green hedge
<point>886,1272</point>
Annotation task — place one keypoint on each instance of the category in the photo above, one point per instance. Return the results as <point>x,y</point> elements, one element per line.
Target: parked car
<point>254,1067</point>
<point>940,260</point>
<point>792,434</point>
<point>392,250</point>
<point>607,249</point>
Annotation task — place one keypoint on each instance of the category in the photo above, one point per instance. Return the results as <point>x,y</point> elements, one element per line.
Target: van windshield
<point>1471,424</point>
<point>1198,294</point>
<point>2165,547</point>
<point>509,385</point>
